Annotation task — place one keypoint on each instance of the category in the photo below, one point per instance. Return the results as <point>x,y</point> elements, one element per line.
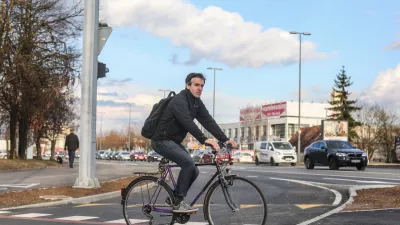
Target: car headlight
<point>278,153</point>
<point>341,154</point>
<point>364,154</point>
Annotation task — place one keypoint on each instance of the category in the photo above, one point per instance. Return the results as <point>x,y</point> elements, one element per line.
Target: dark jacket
<point>177,120</point>
<point>71,142</point>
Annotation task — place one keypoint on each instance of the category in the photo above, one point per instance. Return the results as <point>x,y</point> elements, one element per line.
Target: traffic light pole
<point>87,164</point>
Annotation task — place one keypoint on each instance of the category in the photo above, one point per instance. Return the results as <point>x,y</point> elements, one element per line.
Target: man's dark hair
<point>189,77</point>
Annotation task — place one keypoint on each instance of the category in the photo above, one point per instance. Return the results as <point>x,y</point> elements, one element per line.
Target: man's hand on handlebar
<point>232,143</point>
<point>213,144</point>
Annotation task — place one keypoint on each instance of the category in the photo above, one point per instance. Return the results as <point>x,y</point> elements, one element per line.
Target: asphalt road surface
<point>63,176</point>
<point>294,196</point>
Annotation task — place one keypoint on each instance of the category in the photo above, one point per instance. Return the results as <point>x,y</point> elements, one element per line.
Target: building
<point>273,121</point>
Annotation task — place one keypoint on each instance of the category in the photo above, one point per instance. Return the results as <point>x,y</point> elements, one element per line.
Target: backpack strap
<point>170,94</point>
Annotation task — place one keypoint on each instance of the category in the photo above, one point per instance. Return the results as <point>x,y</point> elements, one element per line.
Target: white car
<point>3,155</point>
<point>275,152</point>
<point>242,157</point>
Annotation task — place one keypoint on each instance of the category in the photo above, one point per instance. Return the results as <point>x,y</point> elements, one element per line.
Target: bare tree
<point>367,138</point>
<point>33,59</point>
<point>387,129</point>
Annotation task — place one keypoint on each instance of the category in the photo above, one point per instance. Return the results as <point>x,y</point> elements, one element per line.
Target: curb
<point>352,194</point>
<point>81,200</point>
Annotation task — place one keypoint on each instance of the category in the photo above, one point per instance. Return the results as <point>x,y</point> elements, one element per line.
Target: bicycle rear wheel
<point>148,200</point>
<point>221,201</point>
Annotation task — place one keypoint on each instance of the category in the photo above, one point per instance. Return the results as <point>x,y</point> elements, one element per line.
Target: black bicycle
<point>157,196</point>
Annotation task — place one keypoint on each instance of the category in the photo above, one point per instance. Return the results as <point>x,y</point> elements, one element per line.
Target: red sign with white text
<point>275,109</point>
<point>250,114</point>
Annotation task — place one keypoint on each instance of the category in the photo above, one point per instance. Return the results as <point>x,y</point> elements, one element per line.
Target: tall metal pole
<point>87,163</point>
<point>214,97</point>
<point>129,129</point>
<point>211,68</point>
<point>299,131</point>
<point>299,136</point>
<point>164,91</point>
<point>101,128</point>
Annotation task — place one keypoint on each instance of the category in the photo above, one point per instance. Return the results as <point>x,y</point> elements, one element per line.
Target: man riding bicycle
<point>174,124</point>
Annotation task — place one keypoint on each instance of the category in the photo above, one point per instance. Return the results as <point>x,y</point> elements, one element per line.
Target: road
<point>294,195</point>
<point>64,176</point>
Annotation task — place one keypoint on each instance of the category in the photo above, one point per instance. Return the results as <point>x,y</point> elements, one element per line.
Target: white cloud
<point>385,89</point>
<point>210,33</point>
<point>114,97</point>
<point>394,45</point>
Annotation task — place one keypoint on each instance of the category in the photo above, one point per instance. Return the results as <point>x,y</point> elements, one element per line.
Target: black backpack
<point>151,122</point>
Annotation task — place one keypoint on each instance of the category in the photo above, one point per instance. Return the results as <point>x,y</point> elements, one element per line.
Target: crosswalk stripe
<point>4,212</point>
<point>32,215</point>
<point>122,221</point>
<point>77,218</point>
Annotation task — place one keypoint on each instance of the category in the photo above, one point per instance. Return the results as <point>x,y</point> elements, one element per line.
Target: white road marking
<point>252,176</point>
<point>318,174</point>
<point>32,215</point>
<point>361,181</point>
<point>77,218</point>
<point>4,212</point>
<point>19,185</point>
<point>122,221</point>
<point>338,196</point>
<point>204,172</point>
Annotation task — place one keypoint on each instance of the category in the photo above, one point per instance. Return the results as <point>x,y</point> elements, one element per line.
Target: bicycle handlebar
<point>223,146</point>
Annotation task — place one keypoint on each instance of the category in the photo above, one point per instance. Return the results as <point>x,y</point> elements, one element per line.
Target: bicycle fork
<point>225,184</point>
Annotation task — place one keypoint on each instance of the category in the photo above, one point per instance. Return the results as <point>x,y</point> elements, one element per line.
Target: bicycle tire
<point>131,186</point>
<point>218,183</point>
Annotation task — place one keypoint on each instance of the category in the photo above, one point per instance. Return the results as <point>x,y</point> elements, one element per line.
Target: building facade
<point>273,121</point>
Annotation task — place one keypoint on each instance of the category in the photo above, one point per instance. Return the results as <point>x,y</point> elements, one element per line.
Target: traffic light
<point>101,70</point>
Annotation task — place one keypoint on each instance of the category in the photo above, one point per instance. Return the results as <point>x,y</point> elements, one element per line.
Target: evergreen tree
<point>342,107</point>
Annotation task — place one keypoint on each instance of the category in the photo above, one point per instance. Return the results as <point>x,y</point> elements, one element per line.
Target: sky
<point>155,44</point>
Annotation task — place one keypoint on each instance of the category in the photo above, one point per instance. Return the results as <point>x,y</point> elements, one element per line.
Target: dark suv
<point>335,154</point>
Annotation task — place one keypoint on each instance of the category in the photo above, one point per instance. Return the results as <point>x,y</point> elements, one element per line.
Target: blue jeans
<point>178,154</point>
<point>71,157</point>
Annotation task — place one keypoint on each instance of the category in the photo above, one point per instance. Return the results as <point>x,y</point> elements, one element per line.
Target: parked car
<point>3,155</point>
<point>197,155</point>
<point>138,155</point>
<point>123,156</point>
<point>153,156</point>
<point>242,157</point>
<point>275,152</point>
<point>100,154</point>
<point>335,154</point>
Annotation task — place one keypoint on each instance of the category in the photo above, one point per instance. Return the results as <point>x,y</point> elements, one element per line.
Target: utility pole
<point>101,129</point>
<point>164,91</point>
<point>211,68</point>
<point>129,128</point>
<point>95,36</point>
<point>299,131</point>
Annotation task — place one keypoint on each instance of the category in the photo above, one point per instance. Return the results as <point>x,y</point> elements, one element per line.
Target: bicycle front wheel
<point>148,200</point>
<point>239,201</point>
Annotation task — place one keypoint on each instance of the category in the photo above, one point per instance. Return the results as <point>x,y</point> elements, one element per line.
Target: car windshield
<point>339,145</point>
<point>282,146</point>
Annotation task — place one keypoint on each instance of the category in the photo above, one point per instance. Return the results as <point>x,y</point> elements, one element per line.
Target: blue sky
<point>152,40</point>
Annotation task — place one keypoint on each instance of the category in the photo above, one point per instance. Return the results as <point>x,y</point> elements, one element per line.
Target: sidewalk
<point>65,176</point>
<point>375,217</point>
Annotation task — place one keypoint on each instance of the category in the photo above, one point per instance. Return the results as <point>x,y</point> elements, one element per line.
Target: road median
<point>65,194</point>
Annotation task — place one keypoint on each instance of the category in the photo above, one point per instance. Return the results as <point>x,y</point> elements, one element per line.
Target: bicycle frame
<point>168,172</point>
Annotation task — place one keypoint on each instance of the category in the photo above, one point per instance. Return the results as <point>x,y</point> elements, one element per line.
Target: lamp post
<point>211,68</point>
<point>299,131</point>
<point>164,91</point>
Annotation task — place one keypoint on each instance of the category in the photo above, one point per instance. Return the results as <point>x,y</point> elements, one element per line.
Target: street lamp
<point>211,68</point>
<point>298,137</point>
<point>164,91</point>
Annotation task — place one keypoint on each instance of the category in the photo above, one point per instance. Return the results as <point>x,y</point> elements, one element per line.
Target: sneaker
<point>183,207</point>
